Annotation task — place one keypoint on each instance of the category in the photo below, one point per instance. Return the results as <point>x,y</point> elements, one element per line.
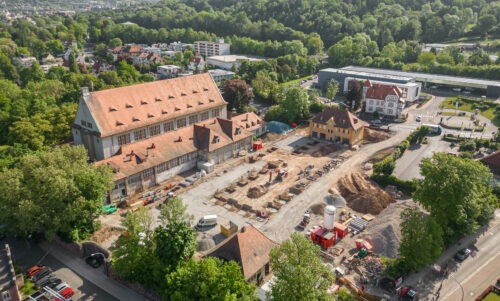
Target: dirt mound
<point>104,233</point>
<point>256,192</point>
<point>374,136</point>
<point>363,195</point>
<point>273,164</point>
<point>318,208</point>
<point>385,231</point>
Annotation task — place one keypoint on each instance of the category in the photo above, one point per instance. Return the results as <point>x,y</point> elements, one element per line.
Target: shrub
<point>466,155</point>
<point>316,107</point>
<point>385,166</point>
<point>468,146</point>
<point>405,186</point>
<point>403,146</point>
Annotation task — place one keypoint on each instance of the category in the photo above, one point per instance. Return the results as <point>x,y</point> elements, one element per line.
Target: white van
<point>207,220</point>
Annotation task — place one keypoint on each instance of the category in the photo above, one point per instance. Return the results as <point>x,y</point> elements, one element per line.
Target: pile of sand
<point>374,136</point>
<point>256,192</point>
<point>363,195</point>
<point>317,208</point>
<point>385,231</point>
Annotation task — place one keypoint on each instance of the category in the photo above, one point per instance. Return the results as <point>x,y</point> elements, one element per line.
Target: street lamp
<point>461,287</point>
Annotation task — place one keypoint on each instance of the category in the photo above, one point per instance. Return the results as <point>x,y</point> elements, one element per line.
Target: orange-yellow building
<point>337,125</point>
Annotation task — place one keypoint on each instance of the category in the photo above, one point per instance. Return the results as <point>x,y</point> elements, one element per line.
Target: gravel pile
<point>385,231</point>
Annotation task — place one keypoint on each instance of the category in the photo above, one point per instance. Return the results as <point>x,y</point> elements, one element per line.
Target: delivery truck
<point>207,221</point>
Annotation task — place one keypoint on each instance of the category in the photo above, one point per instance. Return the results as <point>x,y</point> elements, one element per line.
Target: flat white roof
<point>367,74</point>
<point>221,72</point>
<point>233,58</point>
<point>426,77</point>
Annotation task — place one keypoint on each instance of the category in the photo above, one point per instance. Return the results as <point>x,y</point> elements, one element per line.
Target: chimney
<point>246,117</point>
<point>84,91</point>
<point>243,229</point>
<point>132,153</point>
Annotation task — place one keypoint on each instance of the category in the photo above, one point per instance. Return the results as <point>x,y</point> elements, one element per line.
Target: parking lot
<point>26,255</point>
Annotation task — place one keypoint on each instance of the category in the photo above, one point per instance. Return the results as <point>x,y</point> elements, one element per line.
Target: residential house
<point>220,75</point>
<point>386,100</point>
<point>493,162</point>
<point>168,71</point>
<point>250,249</point>
<point>26,61</point>
<point>337,125</point>
<point>196,62</point>
<point>410,91</point>
<point>127,52</point>
<point>9,282</point>
<point>207,48</point>
<point>251,122</point>
<point>152,131</point>
<point>147,58</point>
<point>47,58</point>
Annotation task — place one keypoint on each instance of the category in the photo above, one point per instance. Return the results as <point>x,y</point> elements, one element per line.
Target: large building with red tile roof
<point>250,249</point>
<point>493,162</point>
<point>385,99</point>
<point>337,125</point>
<point>150,132</point>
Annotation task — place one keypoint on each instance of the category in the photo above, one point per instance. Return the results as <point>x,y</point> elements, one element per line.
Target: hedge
<point>405,186</point>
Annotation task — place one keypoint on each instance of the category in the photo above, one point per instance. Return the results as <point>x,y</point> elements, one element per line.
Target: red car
<point>33,270</point>
<point>67,293</point>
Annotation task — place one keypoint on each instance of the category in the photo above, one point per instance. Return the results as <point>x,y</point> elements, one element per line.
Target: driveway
<point>407,167</point>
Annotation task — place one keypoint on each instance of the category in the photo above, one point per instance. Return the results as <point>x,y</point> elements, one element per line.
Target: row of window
<point>390,104</point>
<point>380,110</point>
<point>338,130</point>
<point>168,126</point>
<point>86,124</point>
<point>176,162</point>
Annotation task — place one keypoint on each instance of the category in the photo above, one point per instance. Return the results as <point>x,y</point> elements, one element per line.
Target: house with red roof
<point>152,131</point>
<point>385,99</point>
<point>250,249</point>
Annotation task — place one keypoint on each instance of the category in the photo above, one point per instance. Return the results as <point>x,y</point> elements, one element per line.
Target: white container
<point>330,217</point>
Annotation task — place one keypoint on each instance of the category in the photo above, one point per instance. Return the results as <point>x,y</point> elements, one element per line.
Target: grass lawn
<point>487,108</point>
<point>492,296</point>
<point>295,81</point>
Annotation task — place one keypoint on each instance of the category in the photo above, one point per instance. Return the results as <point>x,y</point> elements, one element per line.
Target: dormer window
<point>195,91</point>
<point>134,119</point>
<point>143,102</point>
<point>129,106</point>
<point>171,96</point>
<point>189,106</point>
<point>150,115</point>
<point>112,109</point>
<point>118,123</point>
<point>216,139</point>
<point>183,94</point>
<point>238,131</point>
<point>205,89</point>
<point>157,99</point>
<point>177,109</point>
<point>211,100</point>
<point>200,103</point>
<point>164,112</point>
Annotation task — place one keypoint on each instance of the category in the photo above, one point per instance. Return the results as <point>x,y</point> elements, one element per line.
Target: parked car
<point>95,260</point>
<point>67,292</point>
<point>51,282</point>
<point>42,273</point>
<point>33,270</point>
<point>62,286</point>
<point>108,209</point>
<point>419,118</point>
<point>462,255</point>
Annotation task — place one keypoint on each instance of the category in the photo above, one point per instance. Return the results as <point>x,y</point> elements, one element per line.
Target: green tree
<point>73,65</point>
<point>237,93</point>
<point>426,58</point>
<point>115,42</point>
<point>332,89</point>
<point>295,105</point>
<point>386,166</point>
<point>422,240</point>
<point>486,23</point>
<point>314,44</point>
<point>175,239</point>
<point>208,279</point>
<point>299,270</point>
<point>54,191</point>
<point>457,193</point>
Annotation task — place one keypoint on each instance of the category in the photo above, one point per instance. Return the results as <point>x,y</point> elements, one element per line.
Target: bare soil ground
<point>106,235</point>
<point>260,194</point>
<point>373,136</point>
<point>363,195</point>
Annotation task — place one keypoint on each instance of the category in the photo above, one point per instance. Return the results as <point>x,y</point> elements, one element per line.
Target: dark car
<point>462,255</point>
<point>50,282</point>
<point>42,273</point>
<point>95,260</point>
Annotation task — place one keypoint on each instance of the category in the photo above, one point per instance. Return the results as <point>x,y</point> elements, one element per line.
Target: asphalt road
<point>27,255</point>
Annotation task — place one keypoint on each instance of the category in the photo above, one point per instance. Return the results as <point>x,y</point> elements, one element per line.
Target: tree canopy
<point>53,192</point>
<point>299,270</point>
<point>457,193</point>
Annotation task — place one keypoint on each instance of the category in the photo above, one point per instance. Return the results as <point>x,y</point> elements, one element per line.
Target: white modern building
<point>207,48</point>
<point>228,61</point>
<point>168,71</point>
<point>220,75</point>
